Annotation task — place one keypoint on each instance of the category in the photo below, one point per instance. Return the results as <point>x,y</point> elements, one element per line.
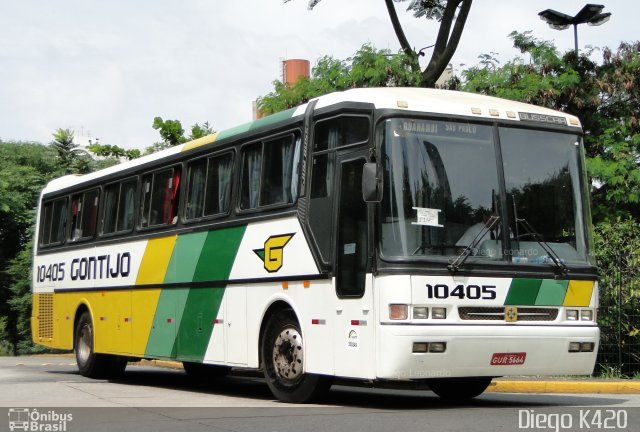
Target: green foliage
<point>172,133</point>
<point>606,97</point>
<point>24,170</point>
<point>113,151</point>
<point>617,247</point>
<point>610,372</point>
<point>71,158</point>
<point>201,130</point>
<point>368,67</point>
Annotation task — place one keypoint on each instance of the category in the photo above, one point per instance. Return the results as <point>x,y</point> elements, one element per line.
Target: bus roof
<point>445,102</point>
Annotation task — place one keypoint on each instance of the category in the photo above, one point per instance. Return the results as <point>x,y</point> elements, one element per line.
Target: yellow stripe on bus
<point>156,260</point>
<point>152,271</point>
<point>578,293</point>
<point>200,141</point>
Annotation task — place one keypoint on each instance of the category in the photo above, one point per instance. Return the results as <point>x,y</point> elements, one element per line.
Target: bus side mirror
<point>371,183</point>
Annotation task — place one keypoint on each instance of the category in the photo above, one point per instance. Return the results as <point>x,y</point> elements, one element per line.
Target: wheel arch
<point>82,307</point>
<point>277,306</point>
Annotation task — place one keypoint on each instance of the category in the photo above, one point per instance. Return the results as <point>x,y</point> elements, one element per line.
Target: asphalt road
<point>50,394</point>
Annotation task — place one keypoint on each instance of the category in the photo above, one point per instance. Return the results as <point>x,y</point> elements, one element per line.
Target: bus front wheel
<point>283,362</point>
<point>459,389</point>
<point>90,364</point>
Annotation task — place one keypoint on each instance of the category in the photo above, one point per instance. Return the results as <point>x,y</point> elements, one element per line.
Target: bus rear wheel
<point>90,364</point>
<point>283,362</point>
<point>459,389</point>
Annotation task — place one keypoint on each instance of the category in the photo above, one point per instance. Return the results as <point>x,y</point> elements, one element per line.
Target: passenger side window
<point>84,215</point>
<point>269,173</point>
<point>53,222</point>
<point>119,207</point>
<point>160,192</point>
<point>209,187</point>
<point>340,131</point>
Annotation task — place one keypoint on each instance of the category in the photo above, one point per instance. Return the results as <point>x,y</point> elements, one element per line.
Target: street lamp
<point>590,14</point>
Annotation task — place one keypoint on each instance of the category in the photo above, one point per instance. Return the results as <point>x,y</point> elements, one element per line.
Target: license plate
<point>508,359</point>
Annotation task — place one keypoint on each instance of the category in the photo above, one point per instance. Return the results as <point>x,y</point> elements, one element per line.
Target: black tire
<point>283,362</point>
<point>90,364</point>
<point>459,389</point>
<point>205,371</point>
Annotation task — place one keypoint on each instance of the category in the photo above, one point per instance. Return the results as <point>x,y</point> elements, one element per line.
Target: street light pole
<point>590,14</point>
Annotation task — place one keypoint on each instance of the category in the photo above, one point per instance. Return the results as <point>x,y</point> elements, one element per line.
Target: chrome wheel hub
<point>287,354</point>
<point>83,349</point>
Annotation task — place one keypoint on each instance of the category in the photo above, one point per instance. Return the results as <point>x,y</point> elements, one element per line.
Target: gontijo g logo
<point>272,254</point>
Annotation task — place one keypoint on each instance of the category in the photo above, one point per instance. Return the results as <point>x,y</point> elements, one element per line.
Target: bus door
<point>354,335</point>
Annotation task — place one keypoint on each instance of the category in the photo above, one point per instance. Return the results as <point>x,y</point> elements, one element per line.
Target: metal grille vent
<point>497,314</point>
<point>45,316</point>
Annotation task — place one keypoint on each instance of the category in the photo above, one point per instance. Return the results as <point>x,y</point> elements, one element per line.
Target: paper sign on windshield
<point>427,216</point>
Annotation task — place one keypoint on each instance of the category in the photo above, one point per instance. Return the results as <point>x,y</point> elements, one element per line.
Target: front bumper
<point>470,350</point>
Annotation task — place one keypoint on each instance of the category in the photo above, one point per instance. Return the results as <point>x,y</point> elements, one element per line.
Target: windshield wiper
<point>557,261</point>
<point>466,252</point>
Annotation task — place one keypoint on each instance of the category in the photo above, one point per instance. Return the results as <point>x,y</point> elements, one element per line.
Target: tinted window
<point>160,198</point>
<point>209,188</point>
<point>269,173</point>
<point>53,222</point>
<point>197,183</point>
<point>340,131</point>
<point>277,171</point>
<point>119,207</point>
<point>84,215</point>
<point>218,193</point>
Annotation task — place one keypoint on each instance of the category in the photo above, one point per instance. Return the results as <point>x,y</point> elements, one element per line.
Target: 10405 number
<point>471,292</point>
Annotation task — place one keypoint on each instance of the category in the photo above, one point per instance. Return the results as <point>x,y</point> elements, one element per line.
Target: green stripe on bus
<point>184,259</point>
<point>162,338</point>
<point>183,321</point>
<point>265,121</point>
<point>196,325</point>
<point>218,254</point>
<point>216,260</point>
<point>523,292</point>
<point>552,292</point>
<point>171,304</point>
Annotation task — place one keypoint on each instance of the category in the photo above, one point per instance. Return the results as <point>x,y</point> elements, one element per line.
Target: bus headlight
<point>586,315</point>
<point>439,313</point>
<point>398,311</point>
<point>437,347</point>
<point>420,313</point>
<point>572,314</point>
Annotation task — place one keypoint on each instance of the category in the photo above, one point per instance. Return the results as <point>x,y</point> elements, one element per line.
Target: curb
<point>161,363</point>
<point>542,386</point>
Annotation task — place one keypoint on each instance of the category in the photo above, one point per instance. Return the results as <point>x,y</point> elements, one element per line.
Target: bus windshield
<point>443,193</point>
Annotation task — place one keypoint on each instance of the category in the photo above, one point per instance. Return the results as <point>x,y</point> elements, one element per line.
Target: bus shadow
<point>249,384</point>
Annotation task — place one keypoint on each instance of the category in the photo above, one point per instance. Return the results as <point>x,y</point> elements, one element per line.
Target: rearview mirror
<point>371,183</point>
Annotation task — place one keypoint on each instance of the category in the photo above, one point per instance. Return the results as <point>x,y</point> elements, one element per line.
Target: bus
<point>400,236</point>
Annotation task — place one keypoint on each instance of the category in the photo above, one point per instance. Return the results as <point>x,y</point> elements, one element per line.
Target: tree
<point>71,158</point>
<point>606,98</point>
<point>172,133</point>
<point>368,67</point>
<point>113,152</point>
<point>452,15</point>
<point>24,170</point>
